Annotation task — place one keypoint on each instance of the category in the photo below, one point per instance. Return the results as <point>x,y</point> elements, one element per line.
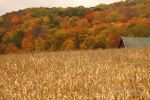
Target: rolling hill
<point>56,29</point>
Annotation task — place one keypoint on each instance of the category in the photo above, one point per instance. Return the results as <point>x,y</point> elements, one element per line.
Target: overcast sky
<point>14,5</point>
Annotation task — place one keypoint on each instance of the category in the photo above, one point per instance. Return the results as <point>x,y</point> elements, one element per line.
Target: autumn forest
<point>78,28</point>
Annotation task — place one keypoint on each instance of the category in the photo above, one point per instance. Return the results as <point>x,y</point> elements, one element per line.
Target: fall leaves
<point>54,29</point>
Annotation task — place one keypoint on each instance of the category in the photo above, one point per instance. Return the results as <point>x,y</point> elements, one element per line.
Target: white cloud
<point>13,5</point>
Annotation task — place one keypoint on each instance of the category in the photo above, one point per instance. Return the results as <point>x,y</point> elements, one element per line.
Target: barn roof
<point>136,42</point>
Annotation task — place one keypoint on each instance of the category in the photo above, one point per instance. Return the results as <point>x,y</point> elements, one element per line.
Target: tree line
<point>55,29</point>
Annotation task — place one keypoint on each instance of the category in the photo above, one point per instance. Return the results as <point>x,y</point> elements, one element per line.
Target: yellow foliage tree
<point>68,45</point>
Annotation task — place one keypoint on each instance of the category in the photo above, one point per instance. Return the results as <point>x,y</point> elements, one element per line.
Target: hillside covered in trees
<point>54,29</point>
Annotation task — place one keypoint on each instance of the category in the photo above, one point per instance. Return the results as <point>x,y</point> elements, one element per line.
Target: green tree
<point>59,38</point>
<point>114,16</point>
<point>138,29</point>
<point>100,41</point>
<point>78,39</point>
<point>17,38</point>
<point>1,36</point>
<point>54,23</point>
<point>2,48</point>
<point>89,42</point>
<point>1,22</point>
<point>70,11</point>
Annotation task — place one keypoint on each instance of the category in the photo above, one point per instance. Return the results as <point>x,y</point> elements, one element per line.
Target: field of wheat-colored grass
<point>122,74</point>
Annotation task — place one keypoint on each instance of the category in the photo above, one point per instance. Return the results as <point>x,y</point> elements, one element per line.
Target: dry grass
<point>81,75</point>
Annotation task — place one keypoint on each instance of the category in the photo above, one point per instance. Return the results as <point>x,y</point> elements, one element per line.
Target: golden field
<point>115,74</point>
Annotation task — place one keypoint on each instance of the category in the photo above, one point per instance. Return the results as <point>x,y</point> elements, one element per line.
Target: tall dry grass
<point>80,75</point>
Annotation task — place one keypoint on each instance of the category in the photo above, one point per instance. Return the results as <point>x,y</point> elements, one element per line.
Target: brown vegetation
<point>81,75</point>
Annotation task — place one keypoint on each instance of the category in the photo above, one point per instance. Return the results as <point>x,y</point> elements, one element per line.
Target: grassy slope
<point>102,74</point>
